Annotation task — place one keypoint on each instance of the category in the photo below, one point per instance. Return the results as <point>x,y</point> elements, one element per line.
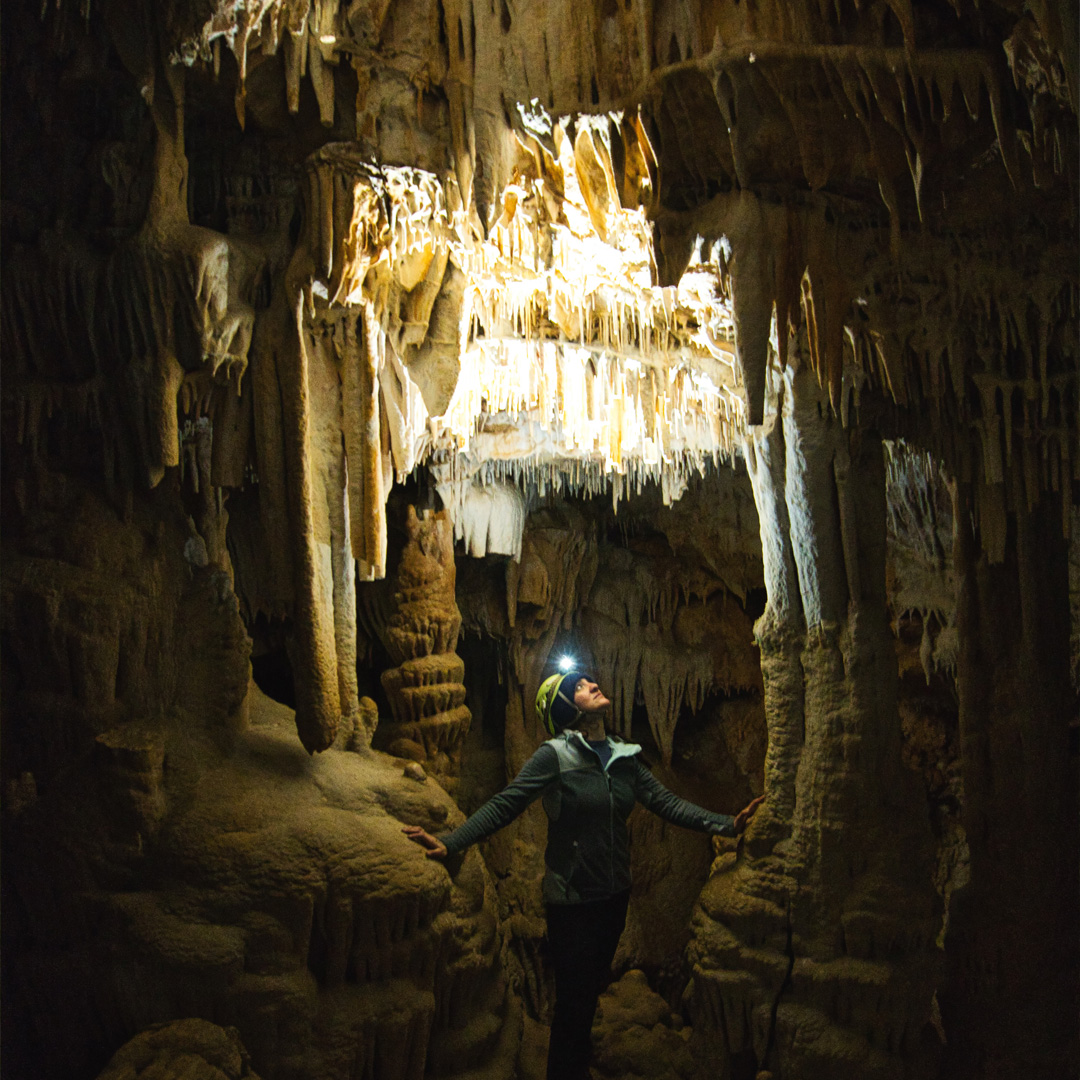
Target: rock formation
<point>195,1048</point>
<point>730,348</point>
<point>426,694</point>
<point>278,896</point>
<point>799,943</point>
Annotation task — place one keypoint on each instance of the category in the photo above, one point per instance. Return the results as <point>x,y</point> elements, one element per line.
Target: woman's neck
<point>592,727</point>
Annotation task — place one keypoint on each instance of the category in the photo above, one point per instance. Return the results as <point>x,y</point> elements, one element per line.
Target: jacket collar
<point>619,749</point>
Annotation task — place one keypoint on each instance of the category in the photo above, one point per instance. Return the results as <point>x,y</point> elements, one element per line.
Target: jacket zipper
<point>611,828</point>
<point>611,819</point>
<point>611,813</point>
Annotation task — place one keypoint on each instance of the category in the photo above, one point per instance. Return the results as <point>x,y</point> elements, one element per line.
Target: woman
<point>589,781</point>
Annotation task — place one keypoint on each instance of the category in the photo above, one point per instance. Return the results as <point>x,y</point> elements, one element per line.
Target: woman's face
<point>589,698</point>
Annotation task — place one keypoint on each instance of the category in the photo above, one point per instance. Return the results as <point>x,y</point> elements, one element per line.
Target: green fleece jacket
<point>588,848</point>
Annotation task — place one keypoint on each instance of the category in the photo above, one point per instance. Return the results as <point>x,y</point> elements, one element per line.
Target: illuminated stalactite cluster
<point>564,316</point>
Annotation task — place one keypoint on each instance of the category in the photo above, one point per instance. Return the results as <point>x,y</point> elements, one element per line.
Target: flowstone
<point>280,897</point>
<point>194,1049</point>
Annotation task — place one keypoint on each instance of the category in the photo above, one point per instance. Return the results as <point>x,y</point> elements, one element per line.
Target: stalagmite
<point>427,696</point>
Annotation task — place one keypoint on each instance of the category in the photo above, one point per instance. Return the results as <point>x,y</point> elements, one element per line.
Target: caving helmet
<point>555,707</point>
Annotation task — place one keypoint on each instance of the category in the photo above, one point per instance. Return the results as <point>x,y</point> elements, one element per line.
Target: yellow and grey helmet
<point>555,707</point>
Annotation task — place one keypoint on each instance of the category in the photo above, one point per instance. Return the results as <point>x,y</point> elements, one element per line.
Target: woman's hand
<point>434,848</point>
<point>742,818</point>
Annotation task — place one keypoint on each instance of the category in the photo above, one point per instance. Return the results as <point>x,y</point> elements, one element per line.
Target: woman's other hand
<point>742,818</point>
<point>433,847</point>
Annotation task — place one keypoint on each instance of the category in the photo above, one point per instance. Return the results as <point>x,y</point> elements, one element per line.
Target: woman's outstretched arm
<point>529,784</point>
<point>666,804</point>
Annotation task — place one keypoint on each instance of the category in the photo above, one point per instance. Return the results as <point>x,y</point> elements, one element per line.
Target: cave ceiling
<point>534,248</point>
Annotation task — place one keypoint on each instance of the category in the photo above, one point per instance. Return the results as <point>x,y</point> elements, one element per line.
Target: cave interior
<point>363,358</point>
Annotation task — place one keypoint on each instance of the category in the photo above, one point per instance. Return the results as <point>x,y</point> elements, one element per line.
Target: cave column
<point>779,633</point>
<point>814,951</point>
<point>1011,1002</point>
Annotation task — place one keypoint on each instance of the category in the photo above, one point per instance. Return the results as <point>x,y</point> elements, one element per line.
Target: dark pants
<point>582,939</point>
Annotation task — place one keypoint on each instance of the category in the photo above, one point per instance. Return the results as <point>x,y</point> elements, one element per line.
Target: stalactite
<point>319,708</point>
<point>363,442</point>
<point>488,514</point>
<point>575,367</point>
<point>137,305</point>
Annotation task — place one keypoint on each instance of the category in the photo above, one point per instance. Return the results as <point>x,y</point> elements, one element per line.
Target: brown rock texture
<point>1011,994</point>
<point>192,1048</point>
<point>813,950</point>
<point>636,1033</point>
<point>278,895</point>
<point>425,690</point>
